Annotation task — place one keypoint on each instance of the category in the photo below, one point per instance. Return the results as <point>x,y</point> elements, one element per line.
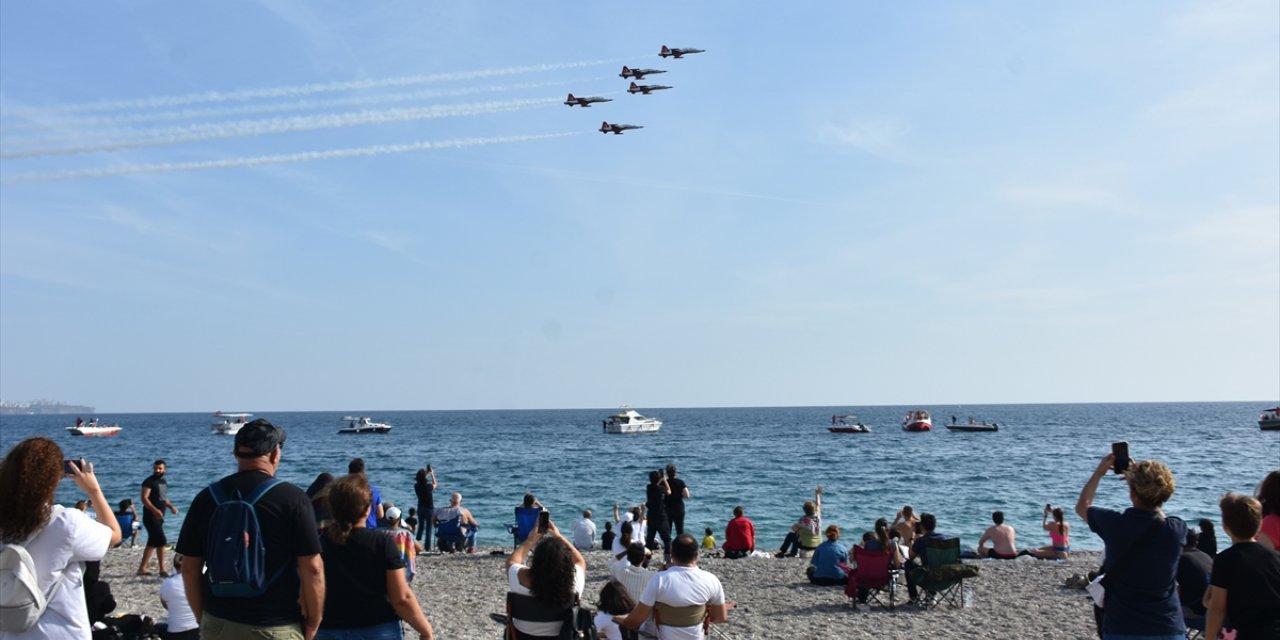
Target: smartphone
<point>544,521</point>
<point>1121,451</point>
<point>68,464</point>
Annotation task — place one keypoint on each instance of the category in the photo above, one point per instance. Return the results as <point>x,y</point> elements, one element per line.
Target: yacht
<point>627,420</point>
<point>361,424</point>
<point>93,428</point>
<point>228,424</point>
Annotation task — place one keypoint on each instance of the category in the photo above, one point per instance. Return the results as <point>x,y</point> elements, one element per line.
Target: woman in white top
<point>554,577</point>
<point>182,623</point>
<point>59,540</point>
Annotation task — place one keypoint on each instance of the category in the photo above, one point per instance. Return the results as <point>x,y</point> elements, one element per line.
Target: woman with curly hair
<point>540,592</point>
<point>1142,551</point>
<point>366,595</point>
<point>1269,496</point>
<point>59,540</point>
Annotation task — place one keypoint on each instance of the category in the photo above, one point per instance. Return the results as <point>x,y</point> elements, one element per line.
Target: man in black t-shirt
<point>675,500</point>
<point>155,499</point>
<point>1244,590</point>
<point>1193,577</point>
<point>289,536</point>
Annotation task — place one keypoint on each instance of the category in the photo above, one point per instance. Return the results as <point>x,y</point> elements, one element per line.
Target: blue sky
<point>837,204</point>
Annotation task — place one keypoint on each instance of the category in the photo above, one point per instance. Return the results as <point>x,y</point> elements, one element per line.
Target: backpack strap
<point>218,493</point>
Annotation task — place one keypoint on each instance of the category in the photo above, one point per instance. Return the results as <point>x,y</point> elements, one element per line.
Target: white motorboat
<point>627,420</point>
<point>93,428</point>
<point>228,424</point>
<point>361,424</point>
<point>917,421</point>
<point>1270,420</point>
<point>847,423</point>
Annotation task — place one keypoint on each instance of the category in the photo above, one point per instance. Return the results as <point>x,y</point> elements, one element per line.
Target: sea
<point>768,459</point>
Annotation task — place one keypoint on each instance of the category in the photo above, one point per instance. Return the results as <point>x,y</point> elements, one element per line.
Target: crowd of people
<point>335,561</point>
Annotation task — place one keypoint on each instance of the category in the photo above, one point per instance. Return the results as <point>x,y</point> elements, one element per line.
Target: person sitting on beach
<point>739,535</point>
<point>917,558</point>
<point>607,538</point>
<point>708,540</point>
<point>1208,539</point>
<point>1244,588</point>
<point>182,623</point>
<point>1003,540</point>
<point>127,518</point>
<point>630,571</point>
<point>456,526</point>
<point>552,581</point>
<point>905,522</point>
<point>526,514</point>
<point>1059,536</point>
<point>805,533</point>
<point>367,595</point>
<point>1142,599</point>
<point>1268,495</point>
<point>681,597</point>
<point>826,567</point>
<point>634,515</point>
<point>614,602</point>
<point>584,532</point>
<point>411,520</point>
<point>1194,567</point>
<point>624,540</point>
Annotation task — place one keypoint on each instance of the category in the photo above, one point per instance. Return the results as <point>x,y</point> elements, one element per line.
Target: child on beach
<point>614,601</point>
<point>708,540</point>
<point>606,538</point>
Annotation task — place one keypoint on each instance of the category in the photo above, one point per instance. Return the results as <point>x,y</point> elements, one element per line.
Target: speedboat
<point>93,428</point>
<point>847,423</point>
<point>917,420</point>
<point>228,424</point>
<point>627,420</point>
<point>361,424</point>
<point>972,426</point>
<point>1270,420</point>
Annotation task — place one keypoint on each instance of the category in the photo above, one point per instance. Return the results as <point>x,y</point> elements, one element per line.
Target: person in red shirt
<point>739,536</point>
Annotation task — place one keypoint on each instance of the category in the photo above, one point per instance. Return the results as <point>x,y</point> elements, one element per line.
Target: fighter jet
<point>585,102</point>
<point>638,74</point>
<point>645,88</point>
<point>617,129</point>
<point>678,53</point>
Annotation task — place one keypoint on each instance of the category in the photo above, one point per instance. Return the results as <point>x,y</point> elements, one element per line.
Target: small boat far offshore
<point>361,424</point>
<point>93,428</point>
<point>228,424</point>
<point>847,423</point>
<point>917,421</point>
<point>627,420</point>
<point>1270,420</point>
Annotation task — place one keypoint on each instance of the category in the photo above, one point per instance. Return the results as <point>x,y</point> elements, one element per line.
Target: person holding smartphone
<point>1142,550</point>
<point>551,582</point>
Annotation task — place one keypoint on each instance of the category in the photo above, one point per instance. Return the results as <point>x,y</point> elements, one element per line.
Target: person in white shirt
<point>173,595</point>
<point>584,532</point>
<point>680,589</point>
<point>554,578</point>
<point>59,540</point>
<point>629,571</point>
<point>614,601</point>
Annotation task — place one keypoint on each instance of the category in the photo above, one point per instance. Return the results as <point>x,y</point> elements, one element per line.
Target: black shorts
<point>155,532</point>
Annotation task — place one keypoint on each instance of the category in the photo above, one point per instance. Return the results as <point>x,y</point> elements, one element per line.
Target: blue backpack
<point>235,556</point>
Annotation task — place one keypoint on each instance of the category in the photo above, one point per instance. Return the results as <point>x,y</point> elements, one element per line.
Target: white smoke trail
<point>294,91</point>
<point>224,112</point>
<point>254,161</point>
<point>249,128</point>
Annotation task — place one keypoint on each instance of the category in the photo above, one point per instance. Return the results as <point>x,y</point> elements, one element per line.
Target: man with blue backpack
<point>252,563</point>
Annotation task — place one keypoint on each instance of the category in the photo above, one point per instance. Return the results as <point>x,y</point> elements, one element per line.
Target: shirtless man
<point>905,522</point>
<point>1004,541</point>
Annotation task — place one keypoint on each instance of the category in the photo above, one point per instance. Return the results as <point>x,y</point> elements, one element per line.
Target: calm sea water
<point>766,459</point>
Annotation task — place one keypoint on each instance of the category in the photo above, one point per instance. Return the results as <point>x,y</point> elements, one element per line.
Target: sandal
<point>144,573</point>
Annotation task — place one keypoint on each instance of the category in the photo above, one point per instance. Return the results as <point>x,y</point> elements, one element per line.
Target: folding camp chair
<point>872,578</point>
<point>526,522</point>
<point>943,575</point>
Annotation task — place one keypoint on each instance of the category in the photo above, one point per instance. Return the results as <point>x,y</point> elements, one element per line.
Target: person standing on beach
<point>424,486</point>
<point>1003,539</point>
<point>1244,588</point>
<point>1142,598</point>
<point>675,501</point>
<point>155,499</point>
<point>739,535</point>
<point>656,510</point>
<point>683,595</point>
<point>378,512</point>
<point>293,603</point>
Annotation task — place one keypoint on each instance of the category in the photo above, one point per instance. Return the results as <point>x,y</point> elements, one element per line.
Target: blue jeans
<point>424,526</point>
<point>385,631</point>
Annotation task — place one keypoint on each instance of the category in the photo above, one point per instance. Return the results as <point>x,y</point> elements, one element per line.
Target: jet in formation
<point>585,102</point>
<point>638,74</point>
<point>617,129</point>
<point>646,89</point>
<point>678,53</point>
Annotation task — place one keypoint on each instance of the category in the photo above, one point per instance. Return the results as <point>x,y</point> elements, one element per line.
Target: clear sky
<point>839,203</point>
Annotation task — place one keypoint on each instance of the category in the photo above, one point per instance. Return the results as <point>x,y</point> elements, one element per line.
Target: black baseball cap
<point>258,438</point>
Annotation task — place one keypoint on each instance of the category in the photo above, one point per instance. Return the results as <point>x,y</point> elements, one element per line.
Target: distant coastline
<point>41,408</point>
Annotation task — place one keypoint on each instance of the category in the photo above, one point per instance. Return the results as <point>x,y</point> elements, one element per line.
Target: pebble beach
<point>465,596</point>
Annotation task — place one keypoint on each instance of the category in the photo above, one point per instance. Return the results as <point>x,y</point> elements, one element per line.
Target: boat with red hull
<point>917,421</point>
